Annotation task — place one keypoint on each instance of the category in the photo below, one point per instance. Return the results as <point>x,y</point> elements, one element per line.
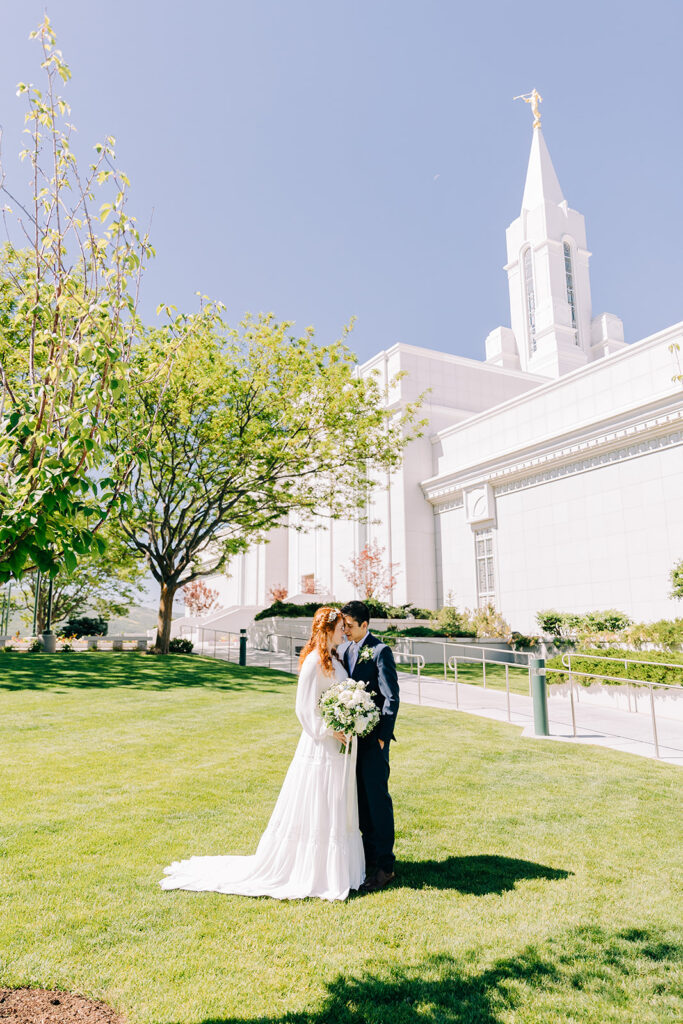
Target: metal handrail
<point>483,660</point>
<point>459,643</point>
<point>184,629</point>
<point>419,660</point>
<point>617,679</point>
<point>620,661</point>
<point>453,664</point>
<point>288,636</point>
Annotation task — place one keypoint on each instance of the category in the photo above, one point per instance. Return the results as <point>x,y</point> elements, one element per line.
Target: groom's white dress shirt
<point>354,648</point>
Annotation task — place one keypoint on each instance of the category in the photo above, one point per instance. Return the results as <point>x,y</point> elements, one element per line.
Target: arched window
<point>571,297</point>
<point>530,299</point>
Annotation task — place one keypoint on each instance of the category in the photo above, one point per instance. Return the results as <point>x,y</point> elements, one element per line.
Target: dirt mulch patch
<point>36,1006</point>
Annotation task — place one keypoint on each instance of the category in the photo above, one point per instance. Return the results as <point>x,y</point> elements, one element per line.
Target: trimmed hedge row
<point>587,661</point>
<point>378,610</point>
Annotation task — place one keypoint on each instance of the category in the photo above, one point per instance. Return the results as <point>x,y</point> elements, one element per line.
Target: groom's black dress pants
<point>375,809</point>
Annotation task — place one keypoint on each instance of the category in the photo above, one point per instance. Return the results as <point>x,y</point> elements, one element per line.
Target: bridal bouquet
<point>347,707</point>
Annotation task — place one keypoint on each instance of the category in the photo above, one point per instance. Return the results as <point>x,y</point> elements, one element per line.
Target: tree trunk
<point>168,592</point>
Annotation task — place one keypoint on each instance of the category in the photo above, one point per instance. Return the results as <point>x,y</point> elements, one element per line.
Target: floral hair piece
<point>332,616</point>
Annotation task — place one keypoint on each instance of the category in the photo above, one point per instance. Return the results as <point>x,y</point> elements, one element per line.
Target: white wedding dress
<point>312,845</point>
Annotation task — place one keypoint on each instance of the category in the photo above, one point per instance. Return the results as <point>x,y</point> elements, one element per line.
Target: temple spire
<point>552,328</point>
<point>542,185</point>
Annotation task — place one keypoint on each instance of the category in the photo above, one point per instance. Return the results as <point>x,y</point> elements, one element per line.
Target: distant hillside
<point>139,619</point>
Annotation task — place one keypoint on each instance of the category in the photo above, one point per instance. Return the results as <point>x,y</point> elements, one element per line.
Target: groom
<point>366,658</point>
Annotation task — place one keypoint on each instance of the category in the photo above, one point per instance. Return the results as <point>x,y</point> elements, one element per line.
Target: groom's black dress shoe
<point>380,880</point>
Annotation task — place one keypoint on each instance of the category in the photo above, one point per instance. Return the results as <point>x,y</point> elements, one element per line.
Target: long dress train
<point>312,845</point>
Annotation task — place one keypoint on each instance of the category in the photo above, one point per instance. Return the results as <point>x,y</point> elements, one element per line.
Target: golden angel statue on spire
<point>533,98</point>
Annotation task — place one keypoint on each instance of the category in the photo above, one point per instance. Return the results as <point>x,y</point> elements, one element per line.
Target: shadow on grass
<point>584,975</point>
<point>106,669</point>
<point>475,875</point>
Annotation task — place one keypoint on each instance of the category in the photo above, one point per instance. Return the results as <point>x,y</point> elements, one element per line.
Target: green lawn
<point>538,882</point>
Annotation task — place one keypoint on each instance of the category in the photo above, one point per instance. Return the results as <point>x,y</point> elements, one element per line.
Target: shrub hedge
<point>587,661</point>
<point>378,610</point>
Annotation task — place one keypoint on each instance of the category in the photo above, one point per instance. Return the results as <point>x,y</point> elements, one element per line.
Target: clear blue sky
<point>329,158</point>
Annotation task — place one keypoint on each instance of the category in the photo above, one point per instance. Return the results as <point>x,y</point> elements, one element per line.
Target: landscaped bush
<point>561,625</point>
<point>416,613</point>
<point>85,626</point>
<point>521,642</point>
<point>180,645</point>
<point>487,622</point>
<point>587,661</point>
<point>451,622</point>
<point>414,631</point>
<point>665,633</point>
<point>287,610</point>
<point>610,627</point>
<point>610,621</point>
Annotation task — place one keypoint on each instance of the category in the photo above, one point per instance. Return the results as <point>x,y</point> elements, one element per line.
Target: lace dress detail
<point>312,845</point>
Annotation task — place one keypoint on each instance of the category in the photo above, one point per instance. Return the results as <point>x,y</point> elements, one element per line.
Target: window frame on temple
<point>528,278</point>
<point>486,558</point>
<point>568,253</point>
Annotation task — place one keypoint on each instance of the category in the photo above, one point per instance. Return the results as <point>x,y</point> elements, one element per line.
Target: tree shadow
<point>106,669</point>
<point>582,975</point>
<point>474,875</point>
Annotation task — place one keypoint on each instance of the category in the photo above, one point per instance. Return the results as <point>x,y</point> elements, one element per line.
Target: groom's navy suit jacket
<point>381,680</point>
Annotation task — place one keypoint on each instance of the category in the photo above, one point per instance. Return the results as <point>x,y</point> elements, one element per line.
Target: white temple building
<point>550,474</point>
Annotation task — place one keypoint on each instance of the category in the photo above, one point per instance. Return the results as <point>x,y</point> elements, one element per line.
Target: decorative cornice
<point>663,431</point>
<point>606,442</point>
<point>595,461</point>
<point>457,501</point>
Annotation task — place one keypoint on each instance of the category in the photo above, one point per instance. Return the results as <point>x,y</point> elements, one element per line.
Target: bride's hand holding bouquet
<point>349,710</point>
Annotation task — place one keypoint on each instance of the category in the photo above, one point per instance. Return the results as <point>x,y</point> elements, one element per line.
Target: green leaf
<point>70,560</point>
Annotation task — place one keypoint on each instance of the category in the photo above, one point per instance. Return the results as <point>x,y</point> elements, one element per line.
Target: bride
<point>312,845</point>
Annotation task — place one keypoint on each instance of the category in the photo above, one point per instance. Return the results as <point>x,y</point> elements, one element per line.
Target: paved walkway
<point>629,732</point>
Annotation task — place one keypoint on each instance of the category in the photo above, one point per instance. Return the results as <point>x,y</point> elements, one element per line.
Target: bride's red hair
<point>325,622</point>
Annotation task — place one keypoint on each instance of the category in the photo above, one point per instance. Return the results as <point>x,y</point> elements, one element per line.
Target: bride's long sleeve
<point>307,710</point>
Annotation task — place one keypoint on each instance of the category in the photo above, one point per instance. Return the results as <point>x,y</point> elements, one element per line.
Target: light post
<point>6,605</point>
<point>49,639</point>
<point>35,604</point>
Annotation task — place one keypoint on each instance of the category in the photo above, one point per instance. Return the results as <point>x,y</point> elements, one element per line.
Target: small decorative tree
<point>309,584</point>
<point>370,575</point>
<point>676,577</point>
<point>278,592</point>
<point>199,598</point>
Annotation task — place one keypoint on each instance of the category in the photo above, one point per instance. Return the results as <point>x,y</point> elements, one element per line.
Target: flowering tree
<point>278,592</point>
<point>199,598</point>
<point>309,584</point>
<point>370,574</point>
